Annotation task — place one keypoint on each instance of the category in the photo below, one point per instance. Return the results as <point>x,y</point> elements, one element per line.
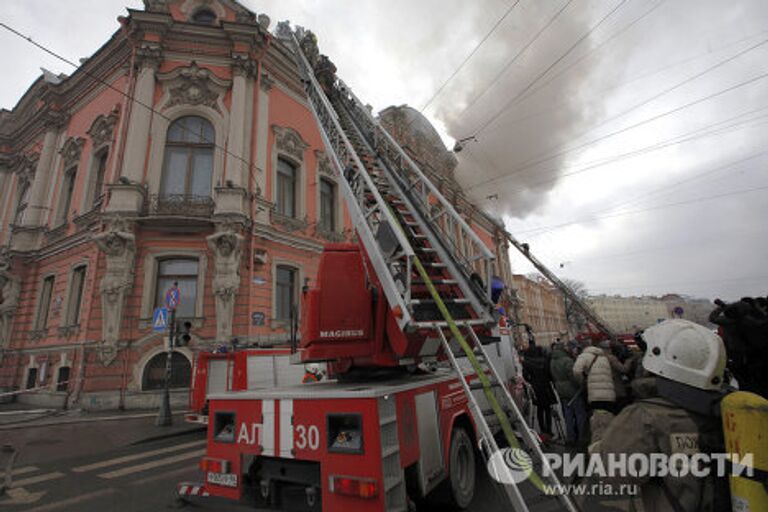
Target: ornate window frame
<point>299,268</point>
<point>70,154</point>
<point>62,214</point>
<point>101,133</point>
<point>36,327</point>
<point>190,7</point>
<point>88,202</point>
<point>23,186</point>
<point>189,91</point>
<point>324,170</point>
<point>65,327</point>
<point>33,364</point>
<point>151,262</point>
<point>288,145</point>
<point>63,362</point>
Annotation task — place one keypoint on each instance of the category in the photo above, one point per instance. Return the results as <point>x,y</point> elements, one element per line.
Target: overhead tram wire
<point>650,194</point>
<point>566,68</point>
<point>592,51</point>
<point>468,57</point>
<point>531,163</point>
<point>601,92</point>
<point>601,214</point>
<point>694,135</point>
<point>515,57</point>
<point>649,209</point>
<point>670,89</point>
<point>100,80</point>
<point>625,129</point>
<point>549,68</point>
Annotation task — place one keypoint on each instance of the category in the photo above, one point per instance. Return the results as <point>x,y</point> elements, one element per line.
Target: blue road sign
<point>160,319</point>
<point>172,297</point>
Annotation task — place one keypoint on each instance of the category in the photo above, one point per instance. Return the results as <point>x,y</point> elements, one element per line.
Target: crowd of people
<point>590,382</point>
<point>641,401</point>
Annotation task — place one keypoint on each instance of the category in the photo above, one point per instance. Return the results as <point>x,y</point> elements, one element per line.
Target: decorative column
<point>7,204</point>
<point>231,196</point>
<point>28,236</point>
<point>118,243</point>
<point>262,133</point>
<point>10,289</point>
<point>226,245</point>
<point>127,195</point>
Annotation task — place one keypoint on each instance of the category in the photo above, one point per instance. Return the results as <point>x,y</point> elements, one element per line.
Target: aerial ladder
<point>432,268</point>
<point>593,317</point>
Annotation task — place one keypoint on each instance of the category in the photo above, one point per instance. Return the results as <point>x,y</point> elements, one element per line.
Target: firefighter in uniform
<point>677,411</point>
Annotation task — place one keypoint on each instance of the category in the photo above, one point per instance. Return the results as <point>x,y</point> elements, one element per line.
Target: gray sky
<point>631,130</point>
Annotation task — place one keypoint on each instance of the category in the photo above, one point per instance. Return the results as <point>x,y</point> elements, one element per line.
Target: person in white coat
<point>593,369</point>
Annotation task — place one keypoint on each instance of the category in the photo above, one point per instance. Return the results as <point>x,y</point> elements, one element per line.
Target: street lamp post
<point>164,416</point>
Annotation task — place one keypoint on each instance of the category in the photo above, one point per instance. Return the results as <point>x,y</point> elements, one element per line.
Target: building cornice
<point>297,242</point>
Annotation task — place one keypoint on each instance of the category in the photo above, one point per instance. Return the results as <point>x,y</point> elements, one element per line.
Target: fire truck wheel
<point>462,468</point>
<point>459,488</point>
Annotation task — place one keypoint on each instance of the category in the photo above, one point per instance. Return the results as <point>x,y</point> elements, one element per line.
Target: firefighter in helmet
<point>677,412</point>
<point>312,373</point>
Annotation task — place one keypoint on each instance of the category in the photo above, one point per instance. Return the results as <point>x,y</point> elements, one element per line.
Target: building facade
<point>183,151</point>
<point>542,306</point>
<point>689,308</point>
<point>629,314</point>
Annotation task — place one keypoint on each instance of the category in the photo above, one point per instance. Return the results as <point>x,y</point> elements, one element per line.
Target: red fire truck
<point>239,370</point>
<point>406,321</point>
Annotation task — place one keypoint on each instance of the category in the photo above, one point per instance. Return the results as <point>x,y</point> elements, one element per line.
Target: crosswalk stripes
<point>37,479</point>
<point>24,470</point>
<point>137,456</point>
<point>152,464</point>
<point>115,467</point>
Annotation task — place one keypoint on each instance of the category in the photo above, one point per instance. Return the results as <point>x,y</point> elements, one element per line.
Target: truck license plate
<point>225,479</point>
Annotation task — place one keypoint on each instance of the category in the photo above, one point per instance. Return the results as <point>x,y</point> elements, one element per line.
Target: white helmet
<point>312,368</point>
<point>685,352</point>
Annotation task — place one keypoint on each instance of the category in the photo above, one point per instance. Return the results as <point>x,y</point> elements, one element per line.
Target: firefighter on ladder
<point>312,373</point>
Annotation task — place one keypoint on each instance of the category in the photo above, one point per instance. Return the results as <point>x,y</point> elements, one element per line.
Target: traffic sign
<point>160,319</point>
<point>172,297</point>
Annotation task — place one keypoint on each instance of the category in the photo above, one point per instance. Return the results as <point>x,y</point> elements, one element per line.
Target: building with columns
<point>542,306</point>
<point>183,151</point>
<point>629,314</point>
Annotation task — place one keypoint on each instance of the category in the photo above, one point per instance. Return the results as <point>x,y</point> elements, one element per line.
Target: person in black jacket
<point>536,372</point>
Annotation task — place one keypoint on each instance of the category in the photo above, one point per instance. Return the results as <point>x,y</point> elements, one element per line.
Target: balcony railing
<point>180,205</point>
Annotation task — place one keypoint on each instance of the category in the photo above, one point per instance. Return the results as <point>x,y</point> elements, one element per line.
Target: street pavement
<point>129,464</point>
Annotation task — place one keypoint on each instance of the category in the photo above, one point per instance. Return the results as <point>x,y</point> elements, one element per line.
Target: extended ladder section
<point>525,250</point>
<point>429,261</point>
<point>400,216</point>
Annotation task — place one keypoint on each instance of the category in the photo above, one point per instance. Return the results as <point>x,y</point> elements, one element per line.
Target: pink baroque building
<point>183,151</point>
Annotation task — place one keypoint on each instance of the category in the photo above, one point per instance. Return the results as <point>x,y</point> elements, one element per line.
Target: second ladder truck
<point>405,322</point>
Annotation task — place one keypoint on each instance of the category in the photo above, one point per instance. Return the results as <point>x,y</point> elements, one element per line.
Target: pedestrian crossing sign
<point>160,319</point>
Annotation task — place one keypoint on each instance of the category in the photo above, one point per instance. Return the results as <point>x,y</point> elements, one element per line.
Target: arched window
<point>154,372</point>
<point>204,17</point>
<point>188,168</point>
